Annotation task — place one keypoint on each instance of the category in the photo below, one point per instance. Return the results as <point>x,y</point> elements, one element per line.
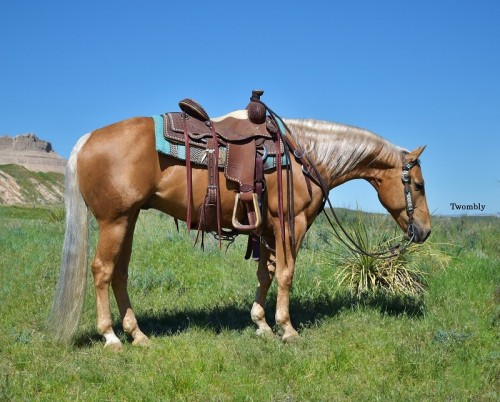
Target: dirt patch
<point>10,191</point>
<point>48,193</point>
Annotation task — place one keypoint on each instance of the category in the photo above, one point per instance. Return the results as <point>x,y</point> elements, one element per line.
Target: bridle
<point>352,244</point>
<point>406,178</point>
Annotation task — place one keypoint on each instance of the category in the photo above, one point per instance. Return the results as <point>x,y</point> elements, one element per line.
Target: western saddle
<point>240,143</point>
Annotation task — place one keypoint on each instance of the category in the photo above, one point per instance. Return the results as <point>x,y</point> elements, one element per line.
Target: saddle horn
<point>256,109</point>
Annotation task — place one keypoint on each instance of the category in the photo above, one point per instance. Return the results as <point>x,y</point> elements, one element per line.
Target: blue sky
<point>416,73</point>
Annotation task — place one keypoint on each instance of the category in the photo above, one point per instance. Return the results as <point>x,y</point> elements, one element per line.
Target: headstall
<point>406,178</point>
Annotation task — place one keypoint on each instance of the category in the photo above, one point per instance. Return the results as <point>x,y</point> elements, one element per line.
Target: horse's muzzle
<point>419,234</point>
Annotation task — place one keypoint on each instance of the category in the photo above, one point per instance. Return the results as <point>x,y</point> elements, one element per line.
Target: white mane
<point>340,148</point>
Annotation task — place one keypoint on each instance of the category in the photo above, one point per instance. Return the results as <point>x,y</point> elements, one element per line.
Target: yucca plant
<point>401,274</point>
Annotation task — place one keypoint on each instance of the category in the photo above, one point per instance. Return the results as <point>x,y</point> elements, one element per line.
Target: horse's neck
<point>342,153</point>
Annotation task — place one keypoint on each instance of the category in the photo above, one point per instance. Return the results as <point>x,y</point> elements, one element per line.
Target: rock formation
<point>31,172</point>
<point>31,152</point>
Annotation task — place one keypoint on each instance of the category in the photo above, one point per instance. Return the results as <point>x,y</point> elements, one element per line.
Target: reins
<point>290,147</point>
<point>393,251</point>
<point>311,171</point>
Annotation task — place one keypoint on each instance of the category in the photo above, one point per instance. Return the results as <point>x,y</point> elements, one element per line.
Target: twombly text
<point>468,207</point>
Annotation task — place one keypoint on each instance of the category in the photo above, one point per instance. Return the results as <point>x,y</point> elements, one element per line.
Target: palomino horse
<point>116,171</point>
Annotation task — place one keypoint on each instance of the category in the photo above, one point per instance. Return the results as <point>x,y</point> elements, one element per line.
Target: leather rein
<point>398,248</point>
<point>310,171</point>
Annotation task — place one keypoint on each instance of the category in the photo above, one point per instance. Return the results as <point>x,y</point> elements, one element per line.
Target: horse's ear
<point>415,154</point>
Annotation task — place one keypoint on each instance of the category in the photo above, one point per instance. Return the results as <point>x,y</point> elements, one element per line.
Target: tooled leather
<point>198,132</point>
<point>240,164</point>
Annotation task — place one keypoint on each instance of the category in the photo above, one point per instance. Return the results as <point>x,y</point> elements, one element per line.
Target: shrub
<point>403,273</point>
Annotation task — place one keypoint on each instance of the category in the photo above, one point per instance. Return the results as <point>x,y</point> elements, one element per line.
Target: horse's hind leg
<point>119,285</point>
<point>111,241</point>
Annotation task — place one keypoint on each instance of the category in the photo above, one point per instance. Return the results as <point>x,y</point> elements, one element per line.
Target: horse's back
<point>118,167</point>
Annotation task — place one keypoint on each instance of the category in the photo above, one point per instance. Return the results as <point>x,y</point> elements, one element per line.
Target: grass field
<point>195,307</point>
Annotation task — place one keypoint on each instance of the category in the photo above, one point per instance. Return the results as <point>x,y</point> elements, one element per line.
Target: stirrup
<point>258,219</point>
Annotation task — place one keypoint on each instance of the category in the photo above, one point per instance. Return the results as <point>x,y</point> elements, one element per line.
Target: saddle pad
<point>197,154</point>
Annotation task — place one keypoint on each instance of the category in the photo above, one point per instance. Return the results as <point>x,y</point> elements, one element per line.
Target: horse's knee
<point>282,317</point>
<point>264,277</point>
<point>285,278</point>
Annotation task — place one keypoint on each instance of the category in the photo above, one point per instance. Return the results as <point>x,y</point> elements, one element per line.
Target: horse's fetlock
<point>282,319</point>
<point>104,327</point>
<point>129,326</point>
<point>257,313</point>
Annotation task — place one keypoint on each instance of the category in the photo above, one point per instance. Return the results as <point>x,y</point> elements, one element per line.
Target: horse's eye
<point>419,186</point>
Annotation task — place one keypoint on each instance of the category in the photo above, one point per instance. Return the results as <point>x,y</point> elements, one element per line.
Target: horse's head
<point>401,191</point>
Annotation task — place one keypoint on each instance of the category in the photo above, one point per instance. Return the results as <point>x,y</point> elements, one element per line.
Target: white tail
<point>72,282</point>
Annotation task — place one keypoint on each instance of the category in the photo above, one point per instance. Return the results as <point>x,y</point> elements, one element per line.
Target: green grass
<point>24,212</point>
<point>195,307</point>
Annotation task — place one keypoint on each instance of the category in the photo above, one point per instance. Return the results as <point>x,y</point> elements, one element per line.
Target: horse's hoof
<point>114,346</point>
<point>142,342</point>
<point>290,338</point>
<point>264,333</point>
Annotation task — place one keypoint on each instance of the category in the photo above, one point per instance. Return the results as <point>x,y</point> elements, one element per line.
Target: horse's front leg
<point>285,267</point>
<point>265,275</point>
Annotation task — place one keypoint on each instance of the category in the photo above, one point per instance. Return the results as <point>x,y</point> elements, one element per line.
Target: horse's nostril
<point>420,235</point>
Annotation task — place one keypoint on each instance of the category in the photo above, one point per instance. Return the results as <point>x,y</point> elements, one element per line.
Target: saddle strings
<point>188,172</point>
<point>284,139</point>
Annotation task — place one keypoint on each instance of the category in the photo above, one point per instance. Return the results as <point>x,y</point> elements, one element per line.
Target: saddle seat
<point>234,127</point>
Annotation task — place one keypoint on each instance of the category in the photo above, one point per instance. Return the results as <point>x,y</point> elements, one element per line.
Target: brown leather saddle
<point>238,143</point>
